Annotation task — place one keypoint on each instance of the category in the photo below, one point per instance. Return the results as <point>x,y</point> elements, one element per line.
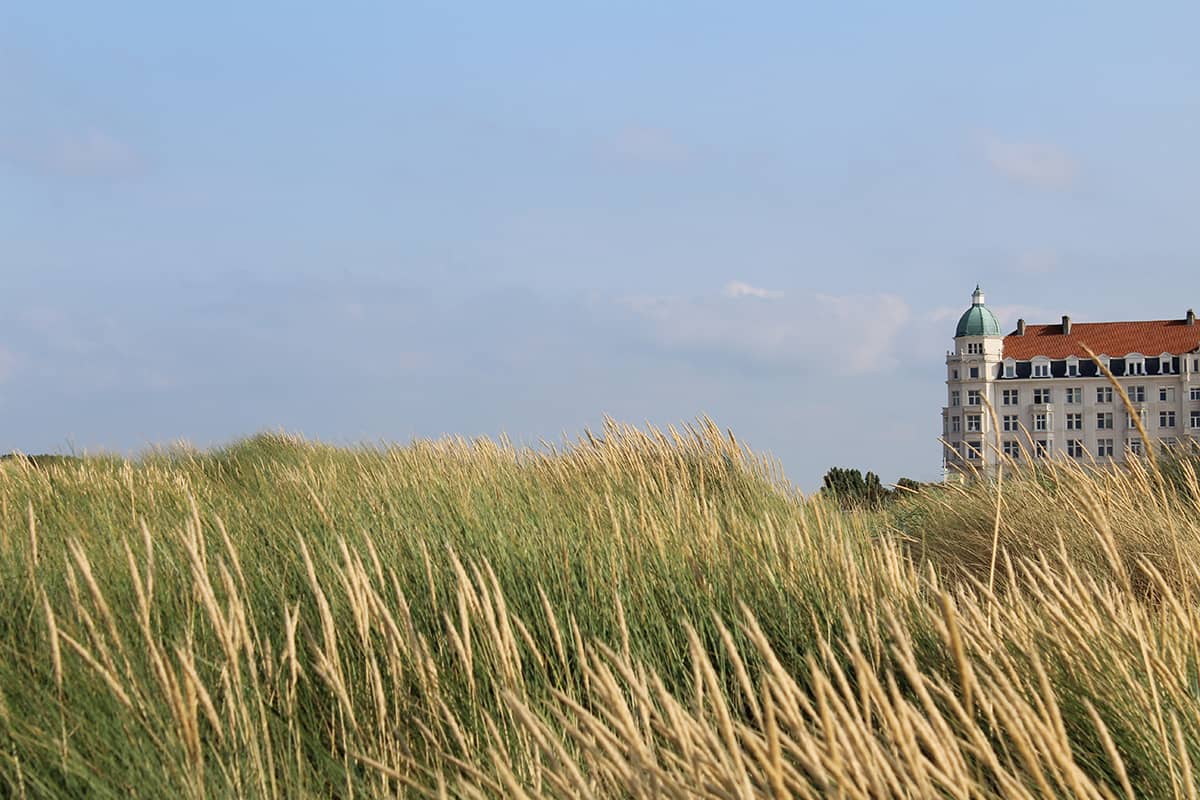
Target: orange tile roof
<point>1116,339</point>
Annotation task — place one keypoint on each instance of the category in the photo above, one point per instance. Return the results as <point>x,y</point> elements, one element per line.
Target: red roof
<point>1115,339</point>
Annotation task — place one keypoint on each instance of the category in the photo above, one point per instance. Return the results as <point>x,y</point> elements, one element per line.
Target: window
<point>1166,419</point>
<point>975,372</point>
<point>1041,396</point>
<point>1075,395</point>
<point>953,374</point>
<point>973,397</point>
<point>1010,397</point>
<point>1196,365</point>
<point>1103,394</point>
<point>1137,394</point>
<point>1135,366</point>
<point>1195,419</point>
<point>973,422</point>
<point>1072,368</point>
<point>1074,448</point>
<point>1041,422</point>
<point>1166,365</point>
<point>1074,422</point>
<point>955,424</point>
<point>1041,369</point>
<point>1104,447</point>
<point>954,398</point>
<point>974,348</point>
<point>1166,394</point>
<point>1041,448</point>
<point>1195,393</point>
<point>1010,423</point>
<point>1135,446</point>
<point>1129,419</point>
<point>1010,369</point>
<point>1012,449</point>
<point>973,450</point>
<point>1104,420</point>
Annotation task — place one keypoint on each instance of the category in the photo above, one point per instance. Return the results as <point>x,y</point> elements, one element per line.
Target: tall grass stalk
<point>636,613</point>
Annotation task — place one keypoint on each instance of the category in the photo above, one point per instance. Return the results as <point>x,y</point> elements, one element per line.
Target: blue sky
<point>380,221</point>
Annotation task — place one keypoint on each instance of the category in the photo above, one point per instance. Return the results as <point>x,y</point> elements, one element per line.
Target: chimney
<point>1066,325</point>
<point>1191,317</point>
<point>1020,327</point>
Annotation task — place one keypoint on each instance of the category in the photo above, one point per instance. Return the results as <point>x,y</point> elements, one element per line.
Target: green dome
<point>977,320</point>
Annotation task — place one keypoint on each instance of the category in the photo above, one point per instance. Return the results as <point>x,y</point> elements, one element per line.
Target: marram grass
<point>637,614</point>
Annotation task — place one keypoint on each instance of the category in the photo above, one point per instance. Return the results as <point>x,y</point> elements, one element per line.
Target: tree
<point>853,490</point>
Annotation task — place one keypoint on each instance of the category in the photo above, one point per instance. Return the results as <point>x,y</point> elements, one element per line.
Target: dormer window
<point>1104,361</point>
<point>1166,364</point>
<point>1010,368</point>
<point>1135,364</point>
<point>1041,368</point>
<point>1072,367</point>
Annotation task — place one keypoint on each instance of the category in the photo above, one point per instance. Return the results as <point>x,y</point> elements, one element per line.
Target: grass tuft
<point>637,613</point>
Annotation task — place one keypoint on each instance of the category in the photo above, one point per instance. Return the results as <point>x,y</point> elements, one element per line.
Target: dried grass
<point>638,614</point>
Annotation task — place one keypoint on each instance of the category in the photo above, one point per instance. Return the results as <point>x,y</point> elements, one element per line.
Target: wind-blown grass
<point>636,614</point>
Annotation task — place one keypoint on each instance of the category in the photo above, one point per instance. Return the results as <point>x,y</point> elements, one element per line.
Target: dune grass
<point>636,614</point>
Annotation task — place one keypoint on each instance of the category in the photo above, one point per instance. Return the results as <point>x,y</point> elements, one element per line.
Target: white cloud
<point>653,145</point>
<point>1037,164</point>
<point>8,364</point>
<point>1036,262</point>
<point>849,334</point>
<point>739,289</point>
<point>88,153</point>
<point>1007,314</point>
<point>92,153</point>
<point>1034,315</point>
<point>943,313</point>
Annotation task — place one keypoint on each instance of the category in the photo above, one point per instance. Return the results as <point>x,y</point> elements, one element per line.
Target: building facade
<point>1050,399</point>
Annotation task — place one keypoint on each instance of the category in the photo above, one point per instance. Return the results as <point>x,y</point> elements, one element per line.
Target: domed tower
<point>978,322</point>
<point>971,370</point>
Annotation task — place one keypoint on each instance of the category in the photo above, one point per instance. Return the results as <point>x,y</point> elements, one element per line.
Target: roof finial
<point>977,296</point>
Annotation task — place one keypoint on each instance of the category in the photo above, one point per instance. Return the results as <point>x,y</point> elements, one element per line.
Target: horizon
<point>380,224</point>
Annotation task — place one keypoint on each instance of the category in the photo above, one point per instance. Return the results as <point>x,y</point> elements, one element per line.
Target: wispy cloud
<point>739,289</point>
<point>848,334</point>
<point>93,154</point>
<point>1038,164</point>
<point>1035,315</point>
<point>653,145</point>
<point>1007,314</point>
<point>8,363</point>
<point>1036,262</point>
<point>89,153</point>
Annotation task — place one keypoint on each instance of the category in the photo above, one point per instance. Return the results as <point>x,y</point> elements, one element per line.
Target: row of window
<point>1041,369</point>
<point>1042,448</point>
<point>1073,395</point>
<point>1074,421</point>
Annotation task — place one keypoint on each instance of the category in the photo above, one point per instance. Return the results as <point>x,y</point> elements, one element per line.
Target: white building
<point>1051,400</point>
